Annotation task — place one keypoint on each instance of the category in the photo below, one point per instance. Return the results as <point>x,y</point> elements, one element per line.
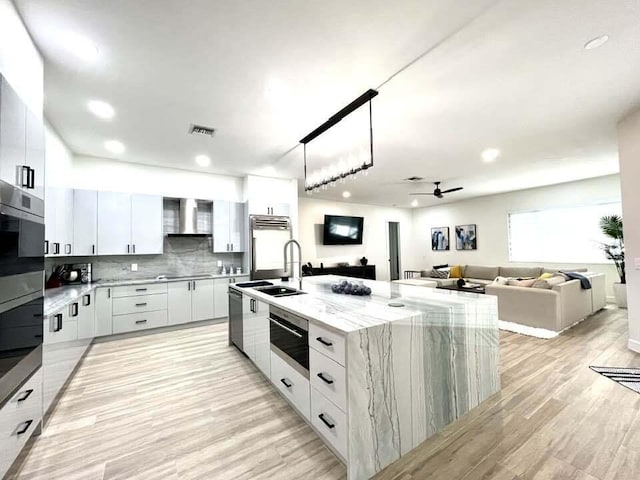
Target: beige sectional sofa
<point>552,309</point>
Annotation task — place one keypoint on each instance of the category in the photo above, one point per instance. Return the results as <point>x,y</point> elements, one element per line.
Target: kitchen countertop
<point>57,298</point>
<point>348,313</point>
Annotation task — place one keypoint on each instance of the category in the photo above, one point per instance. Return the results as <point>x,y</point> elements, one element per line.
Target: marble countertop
<point>348,313</point>
<point>57,298</point>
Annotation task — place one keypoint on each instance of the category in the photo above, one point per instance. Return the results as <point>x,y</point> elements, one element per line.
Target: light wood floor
<point>184,405</point>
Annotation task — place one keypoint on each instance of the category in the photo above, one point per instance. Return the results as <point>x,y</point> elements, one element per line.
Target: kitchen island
<point>386,371</point>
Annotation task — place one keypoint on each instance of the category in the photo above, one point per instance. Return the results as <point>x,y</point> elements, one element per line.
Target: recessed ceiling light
<point>81,47</point>
<point>101,109</point>
<point>203,160</point>
<point>346,194</point>
<point>414,203</point>
<point>490,154</point>
<point>114,146</point>
<point>596,42</point>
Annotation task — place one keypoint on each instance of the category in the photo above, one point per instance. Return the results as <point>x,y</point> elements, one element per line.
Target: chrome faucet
<point>286,246</point>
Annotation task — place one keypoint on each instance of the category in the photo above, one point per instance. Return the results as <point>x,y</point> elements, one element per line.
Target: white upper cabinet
<point>85,222</point>
<point>59,222</point>
<point>114,223</point>
<point>21,143</point>
<point>229,224</point>
<point>146,224</point>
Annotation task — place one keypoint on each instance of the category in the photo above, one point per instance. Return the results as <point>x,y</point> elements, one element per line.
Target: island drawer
<point>329,421</point>
<point>139,321</point>
<point>291,383</point>
<point>133,290</point>
<point>141,303</point>
<point>329,378</point>
<point>327,342</point>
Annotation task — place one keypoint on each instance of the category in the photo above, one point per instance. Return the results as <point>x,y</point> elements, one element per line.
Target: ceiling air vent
<point>200,130</point>
<point>414,179</point>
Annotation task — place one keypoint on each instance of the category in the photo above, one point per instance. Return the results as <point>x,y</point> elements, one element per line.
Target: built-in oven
<point>290,338</point>
<point>21,287</point>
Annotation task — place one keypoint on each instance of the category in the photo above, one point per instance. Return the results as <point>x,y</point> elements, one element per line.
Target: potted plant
<point>611,226</point>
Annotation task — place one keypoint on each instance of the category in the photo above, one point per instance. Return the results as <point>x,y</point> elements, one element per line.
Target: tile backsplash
<point>182,256</point>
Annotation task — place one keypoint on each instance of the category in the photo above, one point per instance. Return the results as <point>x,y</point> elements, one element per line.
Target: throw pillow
<point>545,276</point>
<point>456,271</point>
<point>441,273</point>
<point>549,283</point>
<point>522,283</point>
<point>501,281</point>
<point>438,267</point>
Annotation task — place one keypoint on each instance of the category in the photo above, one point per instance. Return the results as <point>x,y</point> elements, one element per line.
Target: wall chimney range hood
<point>188,220</point>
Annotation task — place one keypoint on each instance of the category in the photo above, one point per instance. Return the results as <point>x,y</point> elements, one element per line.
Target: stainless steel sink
<point>280,291</point>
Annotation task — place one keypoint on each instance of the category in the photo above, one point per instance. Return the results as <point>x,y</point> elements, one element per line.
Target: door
<point>201,300</point>
<point>114,223</point>
<point>221,219</point>
<point>103,312</point>
<point>34,152</point>
<point>179,302</point>
<point>237,226</point>
<point>85,222</point>
<point>220,298</point>
<point>12,135</point>
<point>394,251</point>
<point>146,224</point>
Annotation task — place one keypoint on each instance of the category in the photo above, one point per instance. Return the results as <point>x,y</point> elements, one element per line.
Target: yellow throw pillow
<point>545,276</point>
<point>455,272</point>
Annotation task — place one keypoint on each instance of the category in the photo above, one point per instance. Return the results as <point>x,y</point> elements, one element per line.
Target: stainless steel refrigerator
<point>267,236</point>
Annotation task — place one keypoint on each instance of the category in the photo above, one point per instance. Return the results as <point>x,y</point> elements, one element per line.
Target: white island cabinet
<point>381,379</point>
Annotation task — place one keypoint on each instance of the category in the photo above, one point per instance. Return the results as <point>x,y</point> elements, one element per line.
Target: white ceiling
<point>265,73</point>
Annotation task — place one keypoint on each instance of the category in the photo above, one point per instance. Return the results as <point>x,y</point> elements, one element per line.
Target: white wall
<point>490,213</point>
<point>59,159</point>
<point>629,148</point>
<point>103,174</point>
<point>375,235</point>
<point>20,61</point>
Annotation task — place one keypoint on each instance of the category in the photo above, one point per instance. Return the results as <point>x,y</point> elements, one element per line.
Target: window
<point>559,235</point>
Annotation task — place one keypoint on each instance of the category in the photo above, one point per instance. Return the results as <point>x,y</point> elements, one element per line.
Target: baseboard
<point>634,345</point>
<point>611,299</point>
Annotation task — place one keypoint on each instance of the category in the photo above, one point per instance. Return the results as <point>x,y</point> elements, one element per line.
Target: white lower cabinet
<point>255,333</point>
<point>329,421</point>
<point>329,378</point>
<point>291,383</point>
<point>19,418</point>
<point>103,312</point>
<point>139,321</point>
<point>191,301</point>
<point>179,302</point>
<point>202,300</point>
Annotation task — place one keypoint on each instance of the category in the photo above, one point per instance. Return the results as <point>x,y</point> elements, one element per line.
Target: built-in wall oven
<point>21,287</point>
<point>290,338</point>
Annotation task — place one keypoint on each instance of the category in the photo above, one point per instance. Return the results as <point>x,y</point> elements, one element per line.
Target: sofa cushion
<point>556,270</point>
<point>481,281</point>
<point>480,272</point>
<point>513,282</point>
<point>520,272</point>
<point>549,283</point>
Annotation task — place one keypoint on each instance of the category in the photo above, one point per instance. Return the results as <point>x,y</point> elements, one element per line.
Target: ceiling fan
<point>437,192</point>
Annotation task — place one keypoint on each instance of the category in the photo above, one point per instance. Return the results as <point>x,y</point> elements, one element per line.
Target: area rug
<point>627,377</point>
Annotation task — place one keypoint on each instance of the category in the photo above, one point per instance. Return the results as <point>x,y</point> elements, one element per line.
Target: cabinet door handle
<point>144,304</point>
<point>46,247</point>
<point>57,326</point>
<point>128,248</point>
<point>67,249</point>
<point>232,247</point>
<point>189,285</point>
<point>140,322</point>
<point>56,248</point>
<point>86,300</point>
<point>31,178</point>
<point>325,421</point>
<point>74,309</point>
<point>25,395</point>
<point>23,174</point>
<point>194,285</point>
<point>141,289</point>
<point>108,293</point>
<point>324,342</point>
<point>25,427</point>
<point>134,248</point>
<point>93,249</point>
<point>285,383</point>
<point>324,379</point>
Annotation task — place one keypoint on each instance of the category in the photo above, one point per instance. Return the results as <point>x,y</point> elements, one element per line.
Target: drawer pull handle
<point>324,342</point>
<point>144,304</point>
<point>25,395</point>
<point>141,289</point>
<point>140,322</point>
<point>285,383</point>
<point>324,379</point>
<point>74,309</point>
<point>86,300</point>
<point>24,429</point>
<point>325,421</point>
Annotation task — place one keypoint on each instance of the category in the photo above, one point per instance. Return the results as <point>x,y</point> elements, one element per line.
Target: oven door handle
<point>293,332</point>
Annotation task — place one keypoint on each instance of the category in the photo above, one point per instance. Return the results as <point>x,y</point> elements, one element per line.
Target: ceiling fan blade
<point>421,194</point>
<point>453,190</point>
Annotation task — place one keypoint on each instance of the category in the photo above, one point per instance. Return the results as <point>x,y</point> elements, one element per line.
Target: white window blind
<point>559,235</point>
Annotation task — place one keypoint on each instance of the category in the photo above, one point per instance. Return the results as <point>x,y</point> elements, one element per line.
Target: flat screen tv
<point>339,230</point>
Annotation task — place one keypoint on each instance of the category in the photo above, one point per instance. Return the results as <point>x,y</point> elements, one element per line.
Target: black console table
<point>367,272</point>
